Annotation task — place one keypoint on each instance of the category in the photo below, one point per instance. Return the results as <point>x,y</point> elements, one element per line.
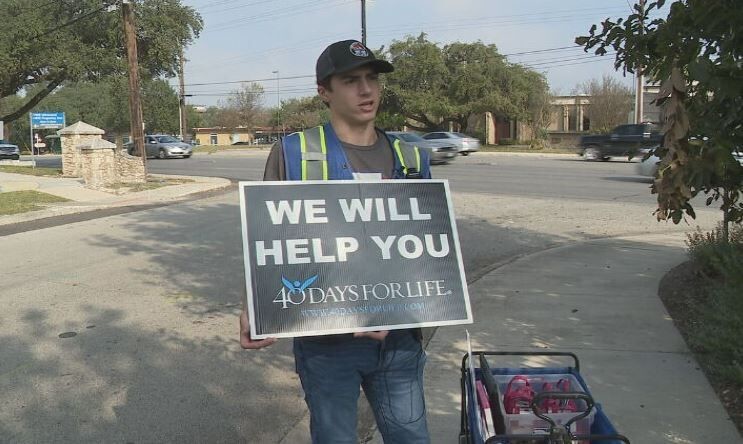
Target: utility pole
<point>182,112</point>
<point>278,105</point>
<point>640,86</point>
<point>135,105</point>
<point>363,22</point>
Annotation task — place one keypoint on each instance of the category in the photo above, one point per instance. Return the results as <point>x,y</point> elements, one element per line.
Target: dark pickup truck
<point>624,140</point>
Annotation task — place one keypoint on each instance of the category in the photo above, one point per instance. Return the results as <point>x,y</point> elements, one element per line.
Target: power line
<point>250,80</point>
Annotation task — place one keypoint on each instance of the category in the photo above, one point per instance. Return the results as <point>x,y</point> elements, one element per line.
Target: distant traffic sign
<point>47,120</point>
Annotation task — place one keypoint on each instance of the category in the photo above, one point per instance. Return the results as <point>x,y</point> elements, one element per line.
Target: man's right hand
<point>245,340</point>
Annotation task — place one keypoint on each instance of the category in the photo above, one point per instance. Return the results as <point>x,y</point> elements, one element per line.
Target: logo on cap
<point>358,49</point>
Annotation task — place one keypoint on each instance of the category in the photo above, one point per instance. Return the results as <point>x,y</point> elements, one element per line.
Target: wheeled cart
<point>530,405</point>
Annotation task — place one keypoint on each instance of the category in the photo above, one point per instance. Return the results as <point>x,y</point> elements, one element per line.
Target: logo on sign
<point>359,50</point>
<point>300,292</point>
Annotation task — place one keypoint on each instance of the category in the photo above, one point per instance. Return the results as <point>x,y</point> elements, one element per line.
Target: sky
<point>276,42</point>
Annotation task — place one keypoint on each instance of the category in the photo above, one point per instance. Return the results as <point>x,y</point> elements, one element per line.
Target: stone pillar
<point>98,163</point>
<point>565,118</point>
<point>489,129</point>
<point>71,138</point>
<point>579,125</point>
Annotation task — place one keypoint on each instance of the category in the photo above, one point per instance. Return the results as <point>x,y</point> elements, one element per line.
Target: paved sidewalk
<point>599,300</point>
<point>83,199</point>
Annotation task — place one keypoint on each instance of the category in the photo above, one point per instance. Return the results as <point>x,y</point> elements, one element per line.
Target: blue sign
<point>47,120</point>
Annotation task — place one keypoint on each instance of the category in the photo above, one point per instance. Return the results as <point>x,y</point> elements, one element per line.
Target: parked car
<point>464,143</point>
<point>624,140</point>
<point>438,151</point>
<point>163,146</point>
<point>9,151</point>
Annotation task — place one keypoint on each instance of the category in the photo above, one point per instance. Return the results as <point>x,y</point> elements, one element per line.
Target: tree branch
<point>53,84</point>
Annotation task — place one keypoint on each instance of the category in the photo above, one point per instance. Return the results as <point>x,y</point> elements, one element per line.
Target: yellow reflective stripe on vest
<point>314,154</point>
<point>406,154</point>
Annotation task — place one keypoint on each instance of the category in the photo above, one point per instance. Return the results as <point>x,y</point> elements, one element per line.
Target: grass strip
<point>15,202</point>
<point>38,171</point>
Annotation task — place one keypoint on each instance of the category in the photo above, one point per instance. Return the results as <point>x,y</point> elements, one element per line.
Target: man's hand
<point>245,340</point>
<point>378,335</point>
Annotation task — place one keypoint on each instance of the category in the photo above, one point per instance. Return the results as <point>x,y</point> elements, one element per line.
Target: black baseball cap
<point>345,56</point>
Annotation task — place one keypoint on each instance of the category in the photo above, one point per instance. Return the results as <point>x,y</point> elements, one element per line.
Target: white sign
<point>2,130</point>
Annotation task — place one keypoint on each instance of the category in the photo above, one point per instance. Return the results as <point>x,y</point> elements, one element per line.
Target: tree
<point>46,44</point>
<point>242,108</point>
<point>697,50</point>
<point>433,86</point>
<point>104,104</point>
<point>611,102</point>
<point>301,113</point>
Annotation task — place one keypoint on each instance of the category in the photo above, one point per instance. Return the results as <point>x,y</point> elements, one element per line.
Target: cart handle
<point>576,362</point>
<point>546,439</point>
<point>562,396</point>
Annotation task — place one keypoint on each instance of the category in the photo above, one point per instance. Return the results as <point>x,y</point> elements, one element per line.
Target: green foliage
<point>720,328</point>
<point>718,254</point>
<point>105,105</point>
<point>38,53</point>
<point>301,113</point>
<point>433,85</point>
<point>697,49</point>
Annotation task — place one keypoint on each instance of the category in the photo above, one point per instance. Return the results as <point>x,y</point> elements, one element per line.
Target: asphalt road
<point>552,177</point>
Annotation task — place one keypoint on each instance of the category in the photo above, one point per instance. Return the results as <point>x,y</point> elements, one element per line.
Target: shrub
<point>715,255</point>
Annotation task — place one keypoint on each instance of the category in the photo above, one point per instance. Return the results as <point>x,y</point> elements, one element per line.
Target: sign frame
<point>250,297</point>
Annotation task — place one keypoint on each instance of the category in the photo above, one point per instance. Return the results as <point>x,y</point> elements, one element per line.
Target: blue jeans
<point>390,372</point>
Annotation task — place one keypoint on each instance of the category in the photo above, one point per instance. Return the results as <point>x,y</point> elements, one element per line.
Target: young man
<point>388,365</point>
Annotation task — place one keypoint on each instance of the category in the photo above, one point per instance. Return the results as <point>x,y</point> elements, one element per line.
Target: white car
<point>649,167</point>
<point>464,143</point>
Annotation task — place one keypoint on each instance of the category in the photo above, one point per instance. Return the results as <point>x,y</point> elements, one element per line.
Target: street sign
<point>47,120</point>
<point>331,257</point>
<point>39,145</point>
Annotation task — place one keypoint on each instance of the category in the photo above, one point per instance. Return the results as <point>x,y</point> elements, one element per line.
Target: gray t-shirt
<point>376,158</point>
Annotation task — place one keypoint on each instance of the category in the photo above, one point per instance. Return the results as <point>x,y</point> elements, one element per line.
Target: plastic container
<point>527,423</point>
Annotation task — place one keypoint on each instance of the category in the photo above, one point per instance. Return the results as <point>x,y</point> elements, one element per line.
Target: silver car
<point>438,152</point>
<point>463,142</point>
<point>9,151</point>
<point>164,146</point>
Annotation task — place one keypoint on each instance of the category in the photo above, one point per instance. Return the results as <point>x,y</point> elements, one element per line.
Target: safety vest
<point>317,154</point>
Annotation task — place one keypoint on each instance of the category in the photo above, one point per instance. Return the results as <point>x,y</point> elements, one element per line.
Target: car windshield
<point>460,135</point>
<point>167,139</point>
<point>409,137</point>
